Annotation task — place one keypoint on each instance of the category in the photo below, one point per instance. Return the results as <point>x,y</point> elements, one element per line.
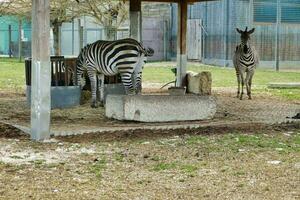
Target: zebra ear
<point>238,30</point>
<point>251,31</point>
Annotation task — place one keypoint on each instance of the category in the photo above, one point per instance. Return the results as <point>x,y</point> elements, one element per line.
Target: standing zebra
<point>245,60</point>
<point>126,56</point>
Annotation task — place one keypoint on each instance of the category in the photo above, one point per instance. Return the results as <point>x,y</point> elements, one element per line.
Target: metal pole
<point>277,35</point>
<point>165,24</point>
<point>9,41</point>
<point>20,40</point>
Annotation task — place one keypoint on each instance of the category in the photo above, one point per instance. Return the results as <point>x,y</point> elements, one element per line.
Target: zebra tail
<point>147,51</point>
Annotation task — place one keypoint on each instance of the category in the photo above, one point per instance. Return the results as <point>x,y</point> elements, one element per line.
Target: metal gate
<point>194,39</point>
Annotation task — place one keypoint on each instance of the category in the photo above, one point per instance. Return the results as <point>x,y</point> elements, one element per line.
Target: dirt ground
<point>263,108</point>
<point>250,150</point>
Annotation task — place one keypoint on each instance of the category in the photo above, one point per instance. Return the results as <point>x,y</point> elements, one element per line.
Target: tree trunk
<point>56,39</point>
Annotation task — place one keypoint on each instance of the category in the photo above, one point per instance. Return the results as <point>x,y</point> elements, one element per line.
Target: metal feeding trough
<point>177,90</point>
<point>63,92</point>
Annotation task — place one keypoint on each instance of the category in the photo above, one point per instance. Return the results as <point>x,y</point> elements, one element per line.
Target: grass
<point>98,167</point>
<point>237,142</point>
<point>12,77</point>
<point>225,77</point>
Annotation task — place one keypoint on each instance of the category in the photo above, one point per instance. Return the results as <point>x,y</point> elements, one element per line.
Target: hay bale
<point>85,97</point>
<point>199,83</point>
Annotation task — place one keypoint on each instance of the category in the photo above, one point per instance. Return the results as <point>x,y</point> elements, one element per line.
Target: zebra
<point>108,58</point>
<point>245,60</point>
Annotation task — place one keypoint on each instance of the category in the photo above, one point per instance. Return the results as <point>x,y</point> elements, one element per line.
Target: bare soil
<point>263,108</point>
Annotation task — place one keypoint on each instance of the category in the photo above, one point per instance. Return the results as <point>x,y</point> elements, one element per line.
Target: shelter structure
<point>41,75</point>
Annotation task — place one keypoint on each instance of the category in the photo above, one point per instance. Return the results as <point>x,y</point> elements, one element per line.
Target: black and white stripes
<point>108,58</point>
<point>245,60</point>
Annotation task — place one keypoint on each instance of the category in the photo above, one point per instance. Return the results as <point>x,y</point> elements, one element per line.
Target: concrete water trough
<point>160,108</point>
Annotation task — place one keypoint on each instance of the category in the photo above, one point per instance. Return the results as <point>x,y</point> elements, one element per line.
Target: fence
<point>75,35</point>
<point>276,38</point>
<point>13,34</point>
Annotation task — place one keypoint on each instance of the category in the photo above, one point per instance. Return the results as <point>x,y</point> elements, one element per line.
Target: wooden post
<point>41,76</point>
<point>181,44</point>
<point>20,40</point>
<point>135,20</point>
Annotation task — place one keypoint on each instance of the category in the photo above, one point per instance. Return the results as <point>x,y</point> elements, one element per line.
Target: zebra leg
<point>127,82</point>
<point>239,83</point>
<point>138,83</point>
<point>93,80</point>
<point>247,85</point>
<point>243,82</point>
<point>250,84</point>
<point>101,88</point>
<point>138,74</point>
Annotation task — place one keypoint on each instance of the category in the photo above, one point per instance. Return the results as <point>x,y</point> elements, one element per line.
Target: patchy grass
<point>263,164</point>
<point>237,142</point>
<point>164,166</point>
<point>12,77</point>
<point>225,77</point>
<point>98,167</point>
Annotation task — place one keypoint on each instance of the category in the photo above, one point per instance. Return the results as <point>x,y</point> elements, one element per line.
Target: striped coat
<point>108,58</point>
<point>245,61</point>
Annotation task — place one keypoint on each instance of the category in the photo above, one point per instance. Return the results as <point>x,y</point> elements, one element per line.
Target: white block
<point>160,108</point>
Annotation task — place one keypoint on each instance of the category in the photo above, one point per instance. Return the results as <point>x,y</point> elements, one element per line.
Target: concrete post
<point>41,76</point>
<point>181,44</point>
<point>135,20</point>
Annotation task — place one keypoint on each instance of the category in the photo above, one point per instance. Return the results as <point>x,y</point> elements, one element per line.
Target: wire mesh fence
<point>276,37</point>
<point>212,35</point>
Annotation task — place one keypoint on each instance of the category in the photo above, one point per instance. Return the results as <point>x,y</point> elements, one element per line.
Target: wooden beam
<point>41,73</point>
<point>176,1</point>
<point>182,26</point>
<point>181,44</point>
<point>135,19</point>
<point>135,5</point>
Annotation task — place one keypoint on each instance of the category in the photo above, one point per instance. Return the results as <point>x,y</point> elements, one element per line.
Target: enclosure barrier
<point>64,93</point>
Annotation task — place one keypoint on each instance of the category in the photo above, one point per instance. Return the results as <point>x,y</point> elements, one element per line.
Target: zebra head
<point>149,52</point>
<point>245,37</point>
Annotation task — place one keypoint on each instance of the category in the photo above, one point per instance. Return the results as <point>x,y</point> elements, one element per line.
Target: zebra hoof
<point>101,104</point>
<point>94,105</point>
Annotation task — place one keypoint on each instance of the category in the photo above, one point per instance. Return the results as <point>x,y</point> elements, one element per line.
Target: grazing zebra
<point>108,58</point>
<point>245,60</point>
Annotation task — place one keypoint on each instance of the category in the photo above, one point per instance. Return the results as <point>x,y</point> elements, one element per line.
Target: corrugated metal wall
<point>277,30</point>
